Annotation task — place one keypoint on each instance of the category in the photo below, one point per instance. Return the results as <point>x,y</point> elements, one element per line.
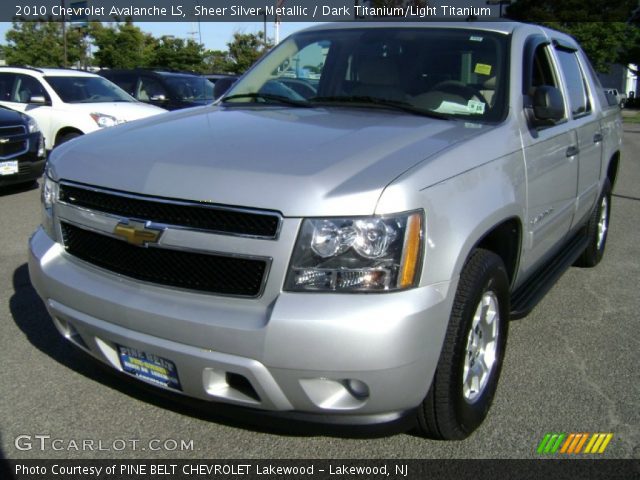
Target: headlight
<point>103,120</point>
<point>378,253</point>
<point>48,196</point>
<point>32,125</point>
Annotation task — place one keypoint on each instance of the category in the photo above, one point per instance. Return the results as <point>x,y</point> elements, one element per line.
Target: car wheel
<point>597,230</point>
<point>66,137</point>
<point>467,374</point>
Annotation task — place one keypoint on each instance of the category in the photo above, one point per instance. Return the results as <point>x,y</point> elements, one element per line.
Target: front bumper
<point>30,165</point>
<point>296,354</point>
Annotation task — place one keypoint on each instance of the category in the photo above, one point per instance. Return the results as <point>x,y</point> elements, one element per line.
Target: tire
<point>597,230</point>
<point>66,137</point>
<point>454,407</point>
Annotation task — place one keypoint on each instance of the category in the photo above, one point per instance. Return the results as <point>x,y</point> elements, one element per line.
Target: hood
<point>9,117</point>
<point>127,111</point>
<point>298,161</point>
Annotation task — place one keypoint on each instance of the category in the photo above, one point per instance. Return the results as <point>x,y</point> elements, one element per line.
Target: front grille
<point>12,141</point>
<point>12,131</point>
<point>173,212</point>
<point>13,148</point>
<point>194,271</point>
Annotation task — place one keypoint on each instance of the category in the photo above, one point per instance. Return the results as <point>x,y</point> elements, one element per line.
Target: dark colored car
<point>22,154</point>
<point>170,90</point>
<point>221,81</point>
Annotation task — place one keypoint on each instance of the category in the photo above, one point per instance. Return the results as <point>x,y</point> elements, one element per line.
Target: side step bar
<point>527,296</point>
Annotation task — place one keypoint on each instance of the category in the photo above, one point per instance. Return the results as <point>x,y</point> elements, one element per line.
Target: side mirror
<point>222,85</point>
<point>158,98</point>
<point>38,99</point>
<point>548,105</point>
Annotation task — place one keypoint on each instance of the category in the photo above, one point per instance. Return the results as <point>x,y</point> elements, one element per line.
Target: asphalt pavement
<point>571,366</point>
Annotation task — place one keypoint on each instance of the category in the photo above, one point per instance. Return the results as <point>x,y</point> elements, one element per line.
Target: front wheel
<point>471,359</point>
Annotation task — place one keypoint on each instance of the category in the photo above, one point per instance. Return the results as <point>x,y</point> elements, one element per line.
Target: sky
<point>214,35</point>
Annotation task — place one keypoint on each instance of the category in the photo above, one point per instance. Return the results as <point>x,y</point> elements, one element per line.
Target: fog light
<point>357,388</point>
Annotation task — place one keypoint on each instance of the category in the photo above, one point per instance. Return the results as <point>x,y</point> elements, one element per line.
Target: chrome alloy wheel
<point>482,344</point>
<point>603,222</point>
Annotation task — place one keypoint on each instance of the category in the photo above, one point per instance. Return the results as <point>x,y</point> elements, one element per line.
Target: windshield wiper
<point>380,102</point>
<point>269,97</point>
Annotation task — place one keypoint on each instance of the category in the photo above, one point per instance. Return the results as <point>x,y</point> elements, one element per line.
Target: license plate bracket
<point>149,367</point>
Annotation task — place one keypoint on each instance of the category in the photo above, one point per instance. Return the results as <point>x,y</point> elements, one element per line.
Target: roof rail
<point>27,67</point>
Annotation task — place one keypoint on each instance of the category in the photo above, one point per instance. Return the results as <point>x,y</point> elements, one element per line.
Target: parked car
<point>619,97</point>
<point>68,103</point>
<point>221,82</point>
<point>22,154</point>
<point>170,90</point>
<point>352,257</point>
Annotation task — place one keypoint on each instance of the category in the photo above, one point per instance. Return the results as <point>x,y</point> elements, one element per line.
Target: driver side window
<point>26,88</point>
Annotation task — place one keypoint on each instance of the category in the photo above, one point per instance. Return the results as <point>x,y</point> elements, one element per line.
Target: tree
<point>245,49</point>
<point>217,61</point>
<point>121,46</point>
<point>40,44</point>
<point>177,54</point>
<point>600,26</point>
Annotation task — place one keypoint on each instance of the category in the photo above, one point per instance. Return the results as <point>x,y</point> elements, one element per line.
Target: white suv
<point>68,103</point>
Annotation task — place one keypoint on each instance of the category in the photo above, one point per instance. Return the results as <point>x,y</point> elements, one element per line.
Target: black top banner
<point>80,11</point>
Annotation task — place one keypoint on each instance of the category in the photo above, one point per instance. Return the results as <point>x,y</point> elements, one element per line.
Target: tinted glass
<point>87,90</point>
<point>190,88</point>
<point>578,99</point>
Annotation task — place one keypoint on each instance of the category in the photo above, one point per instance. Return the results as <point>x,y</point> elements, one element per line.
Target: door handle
<point>597,138</point>
<point>572,151</point>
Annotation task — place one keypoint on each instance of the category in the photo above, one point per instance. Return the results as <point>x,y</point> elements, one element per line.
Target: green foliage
<point>244,50</point>
<point>122,46</point>
<point>39,43</point>
<point>177,54</point>
<point>600,26</point>
<point>125,45</point>
<point>217,61</point>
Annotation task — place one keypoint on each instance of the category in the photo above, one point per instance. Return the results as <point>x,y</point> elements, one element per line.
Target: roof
<point>503,26</point>
<point>50,72</point>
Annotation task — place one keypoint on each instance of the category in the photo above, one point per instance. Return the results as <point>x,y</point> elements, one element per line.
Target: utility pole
<point>64,35</point>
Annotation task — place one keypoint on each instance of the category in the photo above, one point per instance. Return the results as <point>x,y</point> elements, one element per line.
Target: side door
<point>551,162</point>
<point>125,80</point>
<point>587,127</point>
<point>150,90</point>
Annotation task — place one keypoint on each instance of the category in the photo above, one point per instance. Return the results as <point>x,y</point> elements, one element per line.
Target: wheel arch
<point>612,168</point>
<point>65,131</point>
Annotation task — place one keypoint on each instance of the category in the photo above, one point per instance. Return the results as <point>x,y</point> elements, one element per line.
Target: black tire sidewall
<point>471,415</point>
<point>592,254</point>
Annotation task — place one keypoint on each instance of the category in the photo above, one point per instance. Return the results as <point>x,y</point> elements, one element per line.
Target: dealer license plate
<point>149,367</point>
<point>9,168</point>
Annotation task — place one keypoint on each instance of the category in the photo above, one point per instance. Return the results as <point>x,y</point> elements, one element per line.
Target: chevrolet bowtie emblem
<point>137,233</point>
<point>4,140</point>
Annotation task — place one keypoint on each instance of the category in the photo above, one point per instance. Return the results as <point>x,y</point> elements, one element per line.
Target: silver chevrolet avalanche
<point>344,236</point>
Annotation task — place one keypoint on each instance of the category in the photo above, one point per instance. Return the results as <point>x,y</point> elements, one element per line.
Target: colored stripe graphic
<point>574,443</point>
<point>551,442</point>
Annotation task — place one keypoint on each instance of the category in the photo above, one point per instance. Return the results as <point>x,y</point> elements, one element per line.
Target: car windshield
<point>87,90</point>
<point>191,88</point>
<point>443,72</point>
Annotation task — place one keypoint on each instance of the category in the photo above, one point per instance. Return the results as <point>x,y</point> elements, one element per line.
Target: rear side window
<point>7,81</point>
<point>576,83</point>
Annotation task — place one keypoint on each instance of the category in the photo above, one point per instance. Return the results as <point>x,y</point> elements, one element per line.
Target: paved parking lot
<point>571,366</point>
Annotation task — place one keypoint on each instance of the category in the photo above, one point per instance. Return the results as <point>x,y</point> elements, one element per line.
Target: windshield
<point>446,72</point>
<point>87,90</point>
<point>190,88</point>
